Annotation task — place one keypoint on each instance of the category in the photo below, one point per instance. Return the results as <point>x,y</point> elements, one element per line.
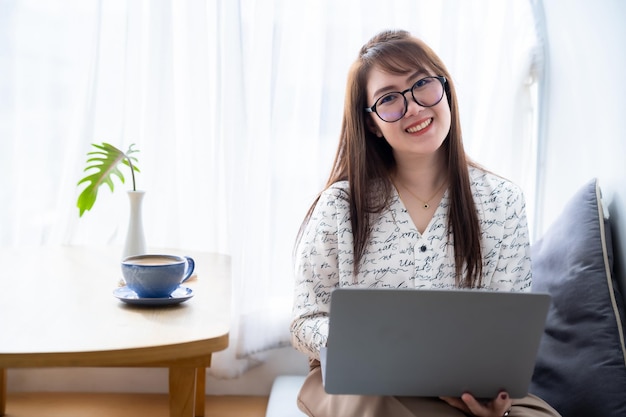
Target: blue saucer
<point>128,296</point>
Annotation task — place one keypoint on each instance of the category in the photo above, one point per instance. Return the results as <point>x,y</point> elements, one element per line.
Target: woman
<point>400,187</point>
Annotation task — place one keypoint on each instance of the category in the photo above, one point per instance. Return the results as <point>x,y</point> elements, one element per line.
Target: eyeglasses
<point>426,92</point>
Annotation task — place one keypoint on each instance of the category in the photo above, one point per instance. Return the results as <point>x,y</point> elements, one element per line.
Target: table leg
<point>200,391</point>
<point>3,391</point>
<point>182,384</point>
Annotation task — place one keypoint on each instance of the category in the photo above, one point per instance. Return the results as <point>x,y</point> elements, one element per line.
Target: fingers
<point>496,408</point>
<point>456,403</point>
<point>502,404</point>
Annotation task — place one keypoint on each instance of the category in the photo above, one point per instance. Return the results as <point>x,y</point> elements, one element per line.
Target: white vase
<point>135,239</point>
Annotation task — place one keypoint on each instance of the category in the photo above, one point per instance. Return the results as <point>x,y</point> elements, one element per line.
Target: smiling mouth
<point>420,126</point>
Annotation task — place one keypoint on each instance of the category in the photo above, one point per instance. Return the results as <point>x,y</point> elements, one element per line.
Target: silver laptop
<point>432,343</point>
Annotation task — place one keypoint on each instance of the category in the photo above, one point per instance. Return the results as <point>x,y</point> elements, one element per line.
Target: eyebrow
<point>390,88</point>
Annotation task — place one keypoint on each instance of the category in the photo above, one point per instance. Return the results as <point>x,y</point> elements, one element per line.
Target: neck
<point>422,176</point>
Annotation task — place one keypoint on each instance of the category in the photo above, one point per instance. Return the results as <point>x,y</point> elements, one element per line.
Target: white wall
<point>586,138</point>
<point>586,118</point>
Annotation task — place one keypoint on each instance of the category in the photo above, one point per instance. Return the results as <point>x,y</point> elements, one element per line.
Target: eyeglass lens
<point>427,92</point>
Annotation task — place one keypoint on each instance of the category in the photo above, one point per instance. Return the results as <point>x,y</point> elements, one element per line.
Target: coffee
<point>154,260</point>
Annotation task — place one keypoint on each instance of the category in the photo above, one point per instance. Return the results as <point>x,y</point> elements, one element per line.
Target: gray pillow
<point>581,364</point>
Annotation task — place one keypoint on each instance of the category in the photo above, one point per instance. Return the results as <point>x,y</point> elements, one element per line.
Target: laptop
<point>431,343</point>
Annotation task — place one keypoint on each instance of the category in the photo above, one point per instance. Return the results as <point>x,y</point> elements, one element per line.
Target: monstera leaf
<point>102,164</point>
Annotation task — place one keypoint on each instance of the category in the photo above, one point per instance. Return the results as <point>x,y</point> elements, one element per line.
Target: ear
<point>371,125</point>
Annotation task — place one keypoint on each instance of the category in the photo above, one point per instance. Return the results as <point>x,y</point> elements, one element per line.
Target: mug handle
<point>191,265</point>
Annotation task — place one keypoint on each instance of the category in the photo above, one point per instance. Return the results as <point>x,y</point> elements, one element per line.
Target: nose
<point>412,106</point>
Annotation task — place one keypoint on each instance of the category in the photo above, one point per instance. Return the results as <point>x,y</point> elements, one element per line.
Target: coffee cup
<point>156,276</point>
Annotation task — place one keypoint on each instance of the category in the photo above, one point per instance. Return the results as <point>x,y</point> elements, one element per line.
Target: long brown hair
<point>367,162</point>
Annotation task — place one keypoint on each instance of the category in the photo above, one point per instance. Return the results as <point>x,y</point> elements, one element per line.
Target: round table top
<point>57,308</point>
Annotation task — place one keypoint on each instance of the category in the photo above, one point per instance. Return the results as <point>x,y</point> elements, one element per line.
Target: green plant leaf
<point>102,164</point>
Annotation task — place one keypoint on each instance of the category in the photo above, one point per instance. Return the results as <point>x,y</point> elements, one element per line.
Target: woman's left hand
<point>498,407</point>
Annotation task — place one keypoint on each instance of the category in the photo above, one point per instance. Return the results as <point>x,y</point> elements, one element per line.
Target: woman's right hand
<point>498,407</point>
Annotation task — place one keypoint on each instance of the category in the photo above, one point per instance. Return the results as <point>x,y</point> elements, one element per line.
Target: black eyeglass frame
<point>440,78</point>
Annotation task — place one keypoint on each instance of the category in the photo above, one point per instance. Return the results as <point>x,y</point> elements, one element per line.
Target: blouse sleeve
<point>514,264</point>
<point>317,273</point>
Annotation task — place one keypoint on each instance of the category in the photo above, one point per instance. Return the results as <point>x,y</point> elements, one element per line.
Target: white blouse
<point>398,256</point>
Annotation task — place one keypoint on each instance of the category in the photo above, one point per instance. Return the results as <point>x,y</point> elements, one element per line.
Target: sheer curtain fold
<point>236,109</point>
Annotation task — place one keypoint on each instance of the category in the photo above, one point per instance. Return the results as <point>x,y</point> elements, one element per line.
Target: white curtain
<point>235,108</point>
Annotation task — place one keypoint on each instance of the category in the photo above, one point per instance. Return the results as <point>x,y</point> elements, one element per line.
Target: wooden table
<point>57,309</point>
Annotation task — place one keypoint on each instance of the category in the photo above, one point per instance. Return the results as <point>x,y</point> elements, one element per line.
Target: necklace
<point>425,203</point>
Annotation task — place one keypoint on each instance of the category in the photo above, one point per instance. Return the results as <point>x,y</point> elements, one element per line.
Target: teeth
<point>419,126</point>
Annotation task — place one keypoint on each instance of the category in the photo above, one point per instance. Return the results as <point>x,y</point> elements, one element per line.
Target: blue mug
<point>156,276</point>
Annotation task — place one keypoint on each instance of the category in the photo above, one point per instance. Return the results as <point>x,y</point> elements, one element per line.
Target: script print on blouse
<point>398,256</point>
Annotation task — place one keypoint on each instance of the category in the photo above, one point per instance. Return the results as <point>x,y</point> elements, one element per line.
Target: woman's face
<point>422,130</point>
